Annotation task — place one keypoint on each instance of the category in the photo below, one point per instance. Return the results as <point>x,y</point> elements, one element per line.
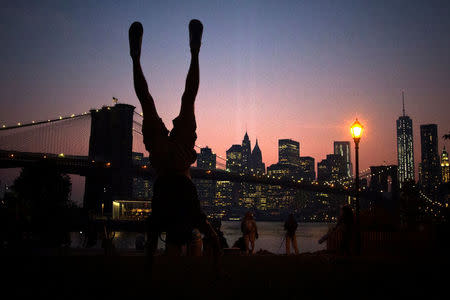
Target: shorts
<point>175,208</point>
<point>174,151</point>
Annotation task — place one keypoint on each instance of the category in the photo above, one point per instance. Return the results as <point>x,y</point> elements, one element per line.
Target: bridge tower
<point>111,143</point>
<point>379,183</point>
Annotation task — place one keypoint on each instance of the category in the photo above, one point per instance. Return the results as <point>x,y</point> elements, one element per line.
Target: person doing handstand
<point>175,206</point>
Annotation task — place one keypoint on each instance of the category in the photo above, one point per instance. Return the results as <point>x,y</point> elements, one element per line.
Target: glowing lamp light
<point>356,129</point>
<point>61,155</point>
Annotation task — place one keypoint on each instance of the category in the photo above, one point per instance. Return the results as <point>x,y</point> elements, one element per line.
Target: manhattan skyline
<point>289,70</point>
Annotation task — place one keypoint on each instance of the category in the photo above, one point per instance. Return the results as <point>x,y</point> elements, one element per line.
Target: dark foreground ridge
<point>258,277</point>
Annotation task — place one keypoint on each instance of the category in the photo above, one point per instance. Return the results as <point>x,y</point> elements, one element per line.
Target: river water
<point>271,237</point>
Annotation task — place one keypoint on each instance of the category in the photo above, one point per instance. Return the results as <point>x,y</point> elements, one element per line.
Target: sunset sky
<point>282,69</point>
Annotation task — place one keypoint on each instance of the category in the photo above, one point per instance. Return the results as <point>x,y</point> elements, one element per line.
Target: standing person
<point>291,227</point>
<point>207,248</point>
<point>346,227</point>
<point>175,205</point>
<point>250,232</point>
<point>108,238</point>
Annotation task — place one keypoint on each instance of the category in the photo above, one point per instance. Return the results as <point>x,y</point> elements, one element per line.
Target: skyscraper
<point>343,149</point>
<point>142,187</point>
<point>307,171</point>
<point>246,153</point>
<point>331,169</point>
<point>234,159</point>
<point>288,152</point>
<point>445,167</point>
<point>405,147</point>
<point>256,164</point>
<point>430,165</point>
<point>206,159</point>
<point>206,189</point>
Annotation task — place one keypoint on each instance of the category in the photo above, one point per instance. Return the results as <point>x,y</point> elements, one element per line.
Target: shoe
<point>135,37</point>
<point>195,34</point>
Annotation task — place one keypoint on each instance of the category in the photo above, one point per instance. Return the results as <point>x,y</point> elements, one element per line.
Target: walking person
<point>291,227</point>
<point>250,232</point>
<point>175,206</point>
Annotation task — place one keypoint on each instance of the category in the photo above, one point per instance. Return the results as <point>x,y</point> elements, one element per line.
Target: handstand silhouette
<point>175,206</point>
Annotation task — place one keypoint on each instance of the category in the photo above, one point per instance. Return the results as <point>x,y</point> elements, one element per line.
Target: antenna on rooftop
<point>403,102</point>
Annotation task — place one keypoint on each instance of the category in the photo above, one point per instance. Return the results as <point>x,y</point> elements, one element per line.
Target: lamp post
<point>356,129</point>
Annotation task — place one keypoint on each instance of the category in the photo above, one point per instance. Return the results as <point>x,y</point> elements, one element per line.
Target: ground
<point>257,277</point>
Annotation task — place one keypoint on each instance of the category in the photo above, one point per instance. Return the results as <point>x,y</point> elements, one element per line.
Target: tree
<point>42,196</point>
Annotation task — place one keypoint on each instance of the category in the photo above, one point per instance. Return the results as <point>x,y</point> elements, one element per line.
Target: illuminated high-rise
<point>206,159</point>
<point>307,171</point>
<point>343,149</point>
<point>445,167</point>
<point>206,189</point>
<point>246,153</point>
<point>288,152</point>
<point>234,159</point>
<point>405,147</point>
<point>430,166</point>
<point>256,164</point>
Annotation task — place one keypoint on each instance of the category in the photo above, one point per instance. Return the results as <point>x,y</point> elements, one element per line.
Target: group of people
<point>249,231</point>
<point>202,246</point>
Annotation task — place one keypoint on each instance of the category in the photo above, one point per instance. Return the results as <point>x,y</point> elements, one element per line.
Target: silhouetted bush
<point>40,202</point>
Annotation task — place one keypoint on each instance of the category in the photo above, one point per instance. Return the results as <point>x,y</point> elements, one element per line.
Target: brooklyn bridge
<point>99,144</point>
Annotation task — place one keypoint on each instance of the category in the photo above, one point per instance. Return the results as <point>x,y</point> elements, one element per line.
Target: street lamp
<point>356,129</point>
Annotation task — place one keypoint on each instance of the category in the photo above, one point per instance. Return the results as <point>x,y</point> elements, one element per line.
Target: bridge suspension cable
<point>63,135</point>
<point>34,123</point>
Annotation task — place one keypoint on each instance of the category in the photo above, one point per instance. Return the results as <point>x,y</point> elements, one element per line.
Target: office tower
<point>142,187</point>
<point>278,170</point>
<point>445,167</point>
<point>343,149</point>
<point>206,189</point>
<point>224,195</point>
<point>206,159</point>
<point>405,147</point>
<point>234,159</point>
<point>430,165</point>
<point>246,153</point>
<point>288,152</point>
<point>323,173</point>
<point>332,169</point>
<point>256,164</point>
<point>306,166</point>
